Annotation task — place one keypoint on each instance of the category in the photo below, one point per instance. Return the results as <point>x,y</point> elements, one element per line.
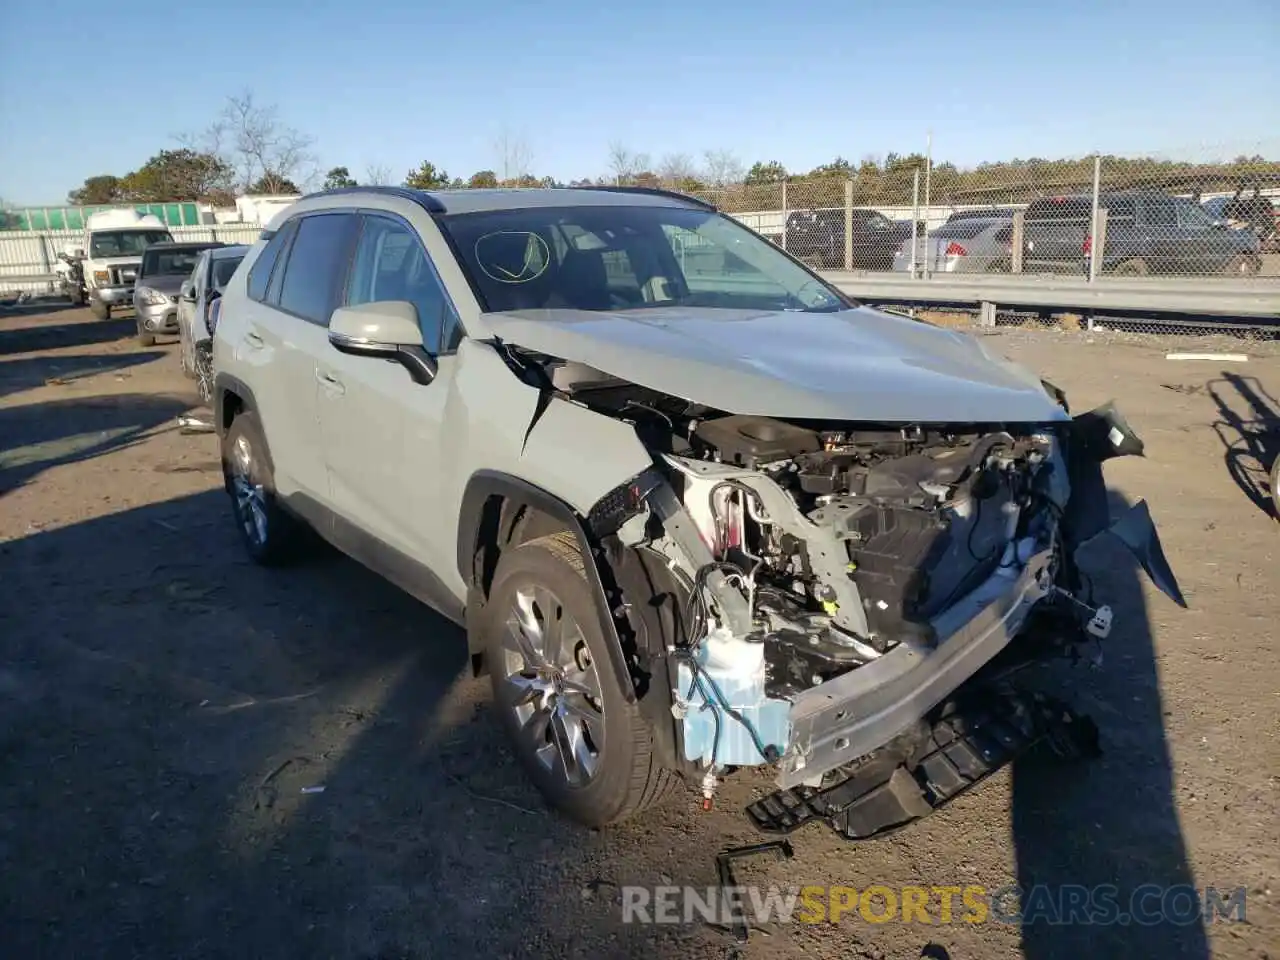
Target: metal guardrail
<point>1217,297</point>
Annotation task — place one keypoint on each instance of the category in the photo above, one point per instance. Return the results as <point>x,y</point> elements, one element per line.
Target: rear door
<point>286,333</point>
<point>1055,231</point>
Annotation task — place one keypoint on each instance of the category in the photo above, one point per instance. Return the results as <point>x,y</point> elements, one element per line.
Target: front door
<point>381,430</point>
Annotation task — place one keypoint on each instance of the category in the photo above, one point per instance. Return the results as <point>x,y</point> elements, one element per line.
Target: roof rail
<point>654,191</point>
<point>422,198</point>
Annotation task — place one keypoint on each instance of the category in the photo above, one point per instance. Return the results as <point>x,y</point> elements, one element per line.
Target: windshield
<point>223,268</point>
<point>608,258</point>
<point>168,263</point>
<point>124,243</point>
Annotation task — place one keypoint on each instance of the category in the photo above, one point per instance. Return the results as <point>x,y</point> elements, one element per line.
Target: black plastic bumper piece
<point>971,739</point>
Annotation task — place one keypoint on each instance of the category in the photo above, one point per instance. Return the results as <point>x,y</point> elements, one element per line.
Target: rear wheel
<point>1242,265</point>
<point>588,751</point>
<point>270,534</point>
<point>1133,267</point>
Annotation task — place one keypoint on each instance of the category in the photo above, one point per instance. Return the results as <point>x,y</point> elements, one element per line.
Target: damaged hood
<point>857,364</point>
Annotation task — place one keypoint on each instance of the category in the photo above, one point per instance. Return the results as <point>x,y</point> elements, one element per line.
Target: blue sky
<point>395,83</point>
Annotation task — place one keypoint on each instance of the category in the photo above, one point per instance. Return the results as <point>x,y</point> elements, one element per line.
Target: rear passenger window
<point>260,275</point>
<point>316,266</point>
<point>391,264</point>
<point>1160,212</point>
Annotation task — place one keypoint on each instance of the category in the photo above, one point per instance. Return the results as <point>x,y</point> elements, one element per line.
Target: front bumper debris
<point>972,738</point>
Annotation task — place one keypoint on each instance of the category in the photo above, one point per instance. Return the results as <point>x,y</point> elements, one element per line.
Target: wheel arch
<point>499,512</point>
<point>231,396</point>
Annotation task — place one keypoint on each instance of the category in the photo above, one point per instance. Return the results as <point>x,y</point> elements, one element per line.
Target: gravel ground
<point>164,705</point>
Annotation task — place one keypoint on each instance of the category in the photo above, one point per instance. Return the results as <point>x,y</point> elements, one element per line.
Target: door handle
<point>330,382</point>
<point>254,341</point>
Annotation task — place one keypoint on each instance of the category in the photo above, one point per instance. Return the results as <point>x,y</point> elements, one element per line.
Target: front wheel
<point>100,310</point>
<point>145,337</point>
<point>588,751</point>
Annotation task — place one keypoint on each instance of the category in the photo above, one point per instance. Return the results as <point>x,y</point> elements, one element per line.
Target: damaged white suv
<point>696,509</point>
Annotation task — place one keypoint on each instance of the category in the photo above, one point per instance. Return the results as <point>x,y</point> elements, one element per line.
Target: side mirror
<point>74,252</point>
<point>387,330</point>
<point>186,292</point>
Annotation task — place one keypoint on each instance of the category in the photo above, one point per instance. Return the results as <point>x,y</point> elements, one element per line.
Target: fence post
<point>784,214</point>
<point>1017,243</point>
<point>1098,243</point>
<point>1095,258</point>
<point>848,224</point>
<point>915,219</point>
<point>928,199</point>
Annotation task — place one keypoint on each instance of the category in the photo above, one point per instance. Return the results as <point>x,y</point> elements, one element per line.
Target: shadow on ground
<point>202,758</point>
<point>54,336</point>
<point>35,437</point>
<point>27,373</point>
<point>1248,425</point>
<point>1108,826</point>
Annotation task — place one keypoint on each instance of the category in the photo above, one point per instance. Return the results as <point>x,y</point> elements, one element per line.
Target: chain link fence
<point>1087,217</point>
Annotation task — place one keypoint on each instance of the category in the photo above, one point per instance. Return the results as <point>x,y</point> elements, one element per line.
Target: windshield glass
<point>124,243</point>
<point>608,258</point>
<point>223,268</point>
<point>168,263</point>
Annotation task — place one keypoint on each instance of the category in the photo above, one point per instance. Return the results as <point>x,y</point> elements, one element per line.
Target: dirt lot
<point>163,705</point>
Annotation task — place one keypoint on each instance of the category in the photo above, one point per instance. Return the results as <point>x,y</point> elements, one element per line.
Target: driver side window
<point>391,264</point>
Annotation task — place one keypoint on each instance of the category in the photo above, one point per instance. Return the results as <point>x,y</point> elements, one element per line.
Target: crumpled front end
<point>853,594</point>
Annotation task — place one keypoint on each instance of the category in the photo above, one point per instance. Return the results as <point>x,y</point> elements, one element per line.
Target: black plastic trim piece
<point>486,484</point>
<point>224,383</point>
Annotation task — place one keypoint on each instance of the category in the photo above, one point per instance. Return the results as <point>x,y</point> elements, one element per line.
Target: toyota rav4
<point>696,509</point>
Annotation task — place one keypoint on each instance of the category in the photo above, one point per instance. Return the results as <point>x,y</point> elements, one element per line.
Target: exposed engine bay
<point>844,578</point>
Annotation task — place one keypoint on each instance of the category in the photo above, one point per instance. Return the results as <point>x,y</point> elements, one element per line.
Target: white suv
<point>695,508</point>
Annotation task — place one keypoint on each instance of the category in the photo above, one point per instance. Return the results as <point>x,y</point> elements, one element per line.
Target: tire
<point>145,339</point>
<point>621,775</point>
<point>1242,265</point>
<point>271,536</point>
<point>203,372</point>
<point>1133,267</point>
<point>99,310</point>
<point>76,297</point>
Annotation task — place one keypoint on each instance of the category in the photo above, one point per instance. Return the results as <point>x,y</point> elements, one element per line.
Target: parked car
<point>817,238</point>
<point>1147,232</point>
<point>691,520</point>
<point>163,269</point>
<point>199,292</point>
<point>966,245</point>
<point>1249,210</point>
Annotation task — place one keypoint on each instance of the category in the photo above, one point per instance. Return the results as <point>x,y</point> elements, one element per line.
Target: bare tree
<point>257,144</point>
<point>625,163</point>
<point>377,175</point>
<point>515,158</point>
<point>723,167</point>
<point>677,169</point>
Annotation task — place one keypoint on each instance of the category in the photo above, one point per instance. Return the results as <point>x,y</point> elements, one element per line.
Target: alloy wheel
<point>250,496</point>
<point>552,684</point>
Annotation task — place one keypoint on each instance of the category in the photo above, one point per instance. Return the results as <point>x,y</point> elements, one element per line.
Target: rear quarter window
<point>260,273</point>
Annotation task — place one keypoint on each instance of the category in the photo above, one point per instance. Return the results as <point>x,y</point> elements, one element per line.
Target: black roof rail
<point>422,198</point>
<point>653,191</point>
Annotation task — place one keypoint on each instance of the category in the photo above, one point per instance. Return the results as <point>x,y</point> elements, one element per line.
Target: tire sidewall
<point>606,794</point>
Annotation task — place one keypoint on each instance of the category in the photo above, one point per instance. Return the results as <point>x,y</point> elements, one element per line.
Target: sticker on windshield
<point>512,256</point>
